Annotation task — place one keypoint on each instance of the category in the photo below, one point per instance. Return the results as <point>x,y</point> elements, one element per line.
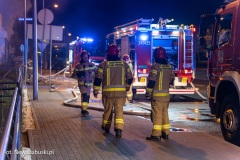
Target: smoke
<point>11,10</point>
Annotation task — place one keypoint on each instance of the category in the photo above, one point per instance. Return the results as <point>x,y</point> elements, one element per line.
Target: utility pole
<point>35,57</point>
<point>25,42</point>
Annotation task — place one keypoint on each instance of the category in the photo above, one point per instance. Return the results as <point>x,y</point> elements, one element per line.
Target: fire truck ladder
<point>188,57</point>
<point>188,51</point>
<point>137,22</point>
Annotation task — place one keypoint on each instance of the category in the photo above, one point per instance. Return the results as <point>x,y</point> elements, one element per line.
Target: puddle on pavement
<point>204,114</point>
<point>203,119</point>
<point>95,100</point>
<point>198,109</point>
<point>179,130</point>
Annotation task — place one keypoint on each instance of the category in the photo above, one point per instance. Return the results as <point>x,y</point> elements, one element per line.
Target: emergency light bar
<point>172,26</point>
<point>87,39</point>
<point>156,26</point>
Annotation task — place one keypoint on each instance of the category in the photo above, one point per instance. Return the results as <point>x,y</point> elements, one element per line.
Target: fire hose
<point>203,97</point>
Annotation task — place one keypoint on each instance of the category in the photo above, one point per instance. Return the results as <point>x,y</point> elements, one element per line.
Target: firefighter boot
<point>118,133</point>
<point>84,113</point>
<point>107,130</point>
<point>154,138</point>
<point>164,135</point>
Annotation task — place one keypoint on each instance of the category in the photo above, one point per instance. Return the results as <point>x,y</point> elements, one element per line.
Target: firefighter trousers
<point>160,118</point>
<point>113,104</point>
<point>85,96</point>
<point>84,101</point>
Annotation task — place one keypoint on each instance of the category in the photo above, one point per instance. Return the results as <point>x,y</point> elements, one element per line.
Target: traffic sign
<point>45,16</point>
<point>22,48</point>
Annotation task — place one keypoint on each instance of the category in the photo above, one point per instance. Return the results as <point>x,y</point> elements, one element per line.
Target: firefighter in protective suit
<point>116,78</point>
<point>84,70</point>
<point>159,80</point>
<point>126,58</point>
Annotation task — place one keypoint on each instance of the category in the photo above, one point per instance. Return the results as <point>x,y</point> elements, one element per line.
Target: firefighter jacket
<point>115,77</point>
<point>160,77</point>
<point>84,72</point>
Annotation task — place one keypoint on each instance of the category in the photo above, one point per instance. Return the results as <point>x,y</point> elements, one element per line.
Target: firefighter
<point>116,78</point>
<point>84,70</point>
<point>159,79</point>
<point>224,36</point>
<point>161,23</point>
<point>126,58</point>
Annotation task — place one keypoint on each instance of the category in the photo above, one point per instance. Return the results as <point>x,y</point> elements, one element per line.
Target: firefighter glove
<point>148,95</point>
<point>73,75</point>
<point>95,95</point>
<point>171,82</point>
<point>127,87</point>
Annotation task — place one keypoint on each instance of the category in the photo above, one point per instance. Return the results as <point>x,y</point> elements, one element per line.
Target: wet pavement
<point>63,131</point>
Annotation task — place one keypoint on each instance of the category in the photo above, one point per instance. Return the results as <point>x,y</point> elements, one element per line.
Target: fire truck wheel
<point>230,119</point>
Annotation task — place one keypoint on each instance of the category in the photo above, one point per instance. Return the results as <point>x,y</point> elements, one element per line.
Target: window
<point>171,47</point>
<point>224,29</point>
<point>163,43</point>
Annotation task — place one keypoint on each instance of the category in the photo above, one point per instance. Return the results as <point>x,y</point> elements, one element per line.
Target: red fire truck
<point>224,67</point>
<point>75,49</point>
<point>139,38</point>
<point>74,52</point>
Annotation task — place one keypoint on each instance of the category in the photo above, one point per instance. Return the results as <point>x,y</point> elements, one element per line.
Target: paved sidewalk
<point>63,134</point>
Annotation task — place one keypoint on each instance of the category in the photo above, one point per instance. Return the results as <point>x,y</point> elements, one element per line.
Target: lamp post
<point>25,42</point>
<point>41,61</point>
<point>35,59</point>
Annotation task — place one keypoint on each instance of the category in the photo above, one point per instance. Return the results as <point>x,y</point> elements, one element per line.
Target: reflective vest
<point>115,77</point>
<point>85,72</point>
<point>160,75</point>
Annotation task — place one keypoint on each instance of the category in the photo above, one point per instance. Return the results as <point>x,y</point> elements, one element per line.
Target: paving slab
<point>64,134</point>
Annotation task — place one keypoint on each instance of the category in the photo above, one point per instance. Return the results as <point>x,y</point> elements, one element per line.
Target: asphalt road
<point>189,112</point>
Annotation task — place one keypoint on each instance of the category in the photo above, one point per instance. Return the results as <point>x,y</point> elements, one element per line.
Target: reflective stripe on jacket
<point>162,75</point>
<point>114,76</point>
<point>84,72</point>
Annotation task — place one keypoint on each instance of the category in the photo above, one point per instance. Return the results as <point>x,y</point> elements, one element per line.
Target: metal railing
<point>11,130</point>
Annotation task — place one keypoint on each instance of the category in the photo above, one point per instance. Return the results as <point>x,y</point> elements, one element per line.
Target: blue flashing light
<point>143,37</point>
<point>87,40</point>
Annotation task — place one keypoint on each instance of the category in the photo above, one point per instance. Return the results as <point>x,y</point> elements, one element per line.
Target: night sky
<point>97,18</point>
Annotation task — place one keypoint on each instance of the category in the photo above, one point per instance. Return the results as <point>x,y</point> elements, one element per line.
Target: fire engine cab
<point>224,66</point>
<point>139,38</point>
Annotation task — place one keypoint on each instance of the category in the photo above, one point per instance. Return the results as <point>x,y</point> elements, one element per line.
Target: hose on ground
<point>203,97</point>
